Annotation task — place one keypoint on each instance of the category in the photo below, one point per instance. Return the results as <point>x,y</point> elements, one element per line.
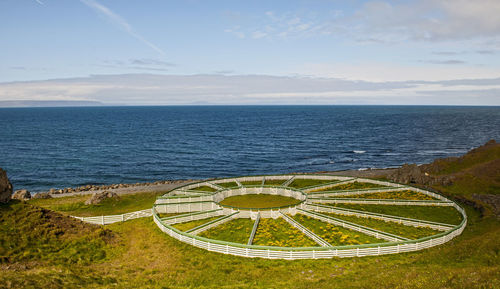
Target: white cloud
<point>147,89</point>
<point>390,22</point>
<point>120,22</point>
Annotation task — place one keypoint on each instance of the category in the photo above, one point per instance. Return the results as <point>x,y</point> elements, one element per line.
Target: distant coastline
<point>47,103</point>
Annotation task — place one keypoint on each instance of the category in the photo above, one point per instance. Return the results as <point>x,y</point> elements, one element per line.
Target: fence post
<point>102,217</point>
<point>123,217</point>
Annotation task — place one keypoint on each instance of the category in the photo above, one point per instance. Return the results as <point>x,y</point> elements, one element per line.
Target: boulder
<point>42,196</point>
<point>99,197</point>
<point>5,187</point>
<point>21,195</point>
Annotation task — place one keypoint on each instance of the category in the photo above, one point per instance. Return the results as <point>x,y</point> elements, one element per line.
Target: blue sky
<point>251,52</point>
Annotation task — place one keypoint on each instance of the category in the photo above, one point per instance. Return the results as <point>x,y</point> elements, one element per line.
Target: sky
<point>159,52</point>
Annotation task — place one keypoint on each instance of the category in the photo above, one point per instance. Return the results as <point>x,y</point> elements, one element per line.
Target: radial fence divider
<point>391,218</point>
<point>292,253</point>
<point>238,183</point>
<point>183,199</point>
<point>312,252</point>
<point>211,224</point>
<point>353,226</point>
<point>306,231</point>
<point>357,191</point>
<point>191,216</point>
<point>187,193</point>
<point>263,181</point>
<point>254,229</point>
<point>288,182</point>
<point>334,183</point>
<point>215,186</point>
<point>396,202</point>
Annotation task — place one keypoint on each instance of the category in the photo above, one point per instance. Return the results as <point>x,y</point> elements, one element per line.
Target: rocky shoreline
<point>87,188</point>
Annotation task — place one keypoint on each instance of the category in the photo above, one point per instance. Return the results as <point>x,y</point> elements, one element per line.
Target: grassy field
<point>274,182</point>
<point>205,189</point>
<point>143,256</point>
<point>303,183</point>
<point>277,232</point>
<point>335,235</point>
<point>193,224</point>
<point>228,185</point>
<point>251,183</point>
<point>350,186</point>
<point>409,232</point>
<point>259,201</point>
<point>236,230</point>
<point>447,215</point>
<point>76,205</point>
<point>400,195</point>
<point>41,250</point>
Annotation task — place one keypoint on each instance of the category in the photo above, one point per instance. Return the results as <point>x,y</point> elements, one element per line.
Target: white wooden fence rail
<point>105,220</point>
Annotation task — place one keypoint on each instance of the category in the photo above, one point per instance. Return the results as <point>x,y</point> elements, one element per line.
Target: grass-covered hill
<point>475,177</point>
<point>40,248</point>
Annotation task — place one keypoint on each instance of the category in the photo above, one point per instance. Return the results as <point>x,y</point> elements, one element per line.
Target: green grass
<point>303,183</point>
<point>193,224</point>
<point>447,215</point>
<point>34,234</point>
<point>204,189</point>
<point>37,252</point>
<point>478,157</point>
<point>251,183</point>
<point>76,205</point>
<point>409,232</point>
<point>277,232</point>
<point>237,231</point>
<point>145,257</point>
<point>350,186</point>
<point>228,185</point>
<point>400,195</point>
<point>274,182</point>
<point>259,201</point>
<point>335,235</point>
<point>165,215</point>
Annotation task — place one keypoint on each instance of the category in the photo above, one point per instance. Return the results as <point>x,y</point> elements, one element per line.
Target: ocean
<point>44,148</point>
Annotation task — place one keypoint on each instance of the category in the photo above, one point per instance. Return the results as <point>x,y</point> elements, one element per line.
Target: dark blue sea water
<point>42,148</point>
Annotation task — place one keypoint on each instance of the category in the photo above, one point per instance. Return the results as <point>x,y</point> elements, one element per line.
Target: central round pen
<point>259,198</point>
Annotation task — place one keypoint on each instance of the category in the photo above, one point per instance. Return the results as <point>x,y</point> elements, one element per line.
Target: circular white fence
<point>315,195</point>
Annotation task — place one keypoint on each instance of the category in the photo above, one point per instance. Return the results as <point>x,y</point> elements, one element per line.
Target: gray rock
<point>99,197</point>
<point>5,187</point>
<point>21,195</point>
<point>42,196</point>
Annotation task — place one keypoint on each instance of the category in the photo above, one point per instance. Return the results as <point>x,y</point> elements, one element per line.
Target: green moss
<point>236,230</point>
<point>259,201</point>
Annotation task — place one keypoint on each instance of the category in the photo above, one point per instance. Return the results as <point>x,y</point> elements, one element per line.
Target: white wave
<point>359,152</point>
<point>445,151</point>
